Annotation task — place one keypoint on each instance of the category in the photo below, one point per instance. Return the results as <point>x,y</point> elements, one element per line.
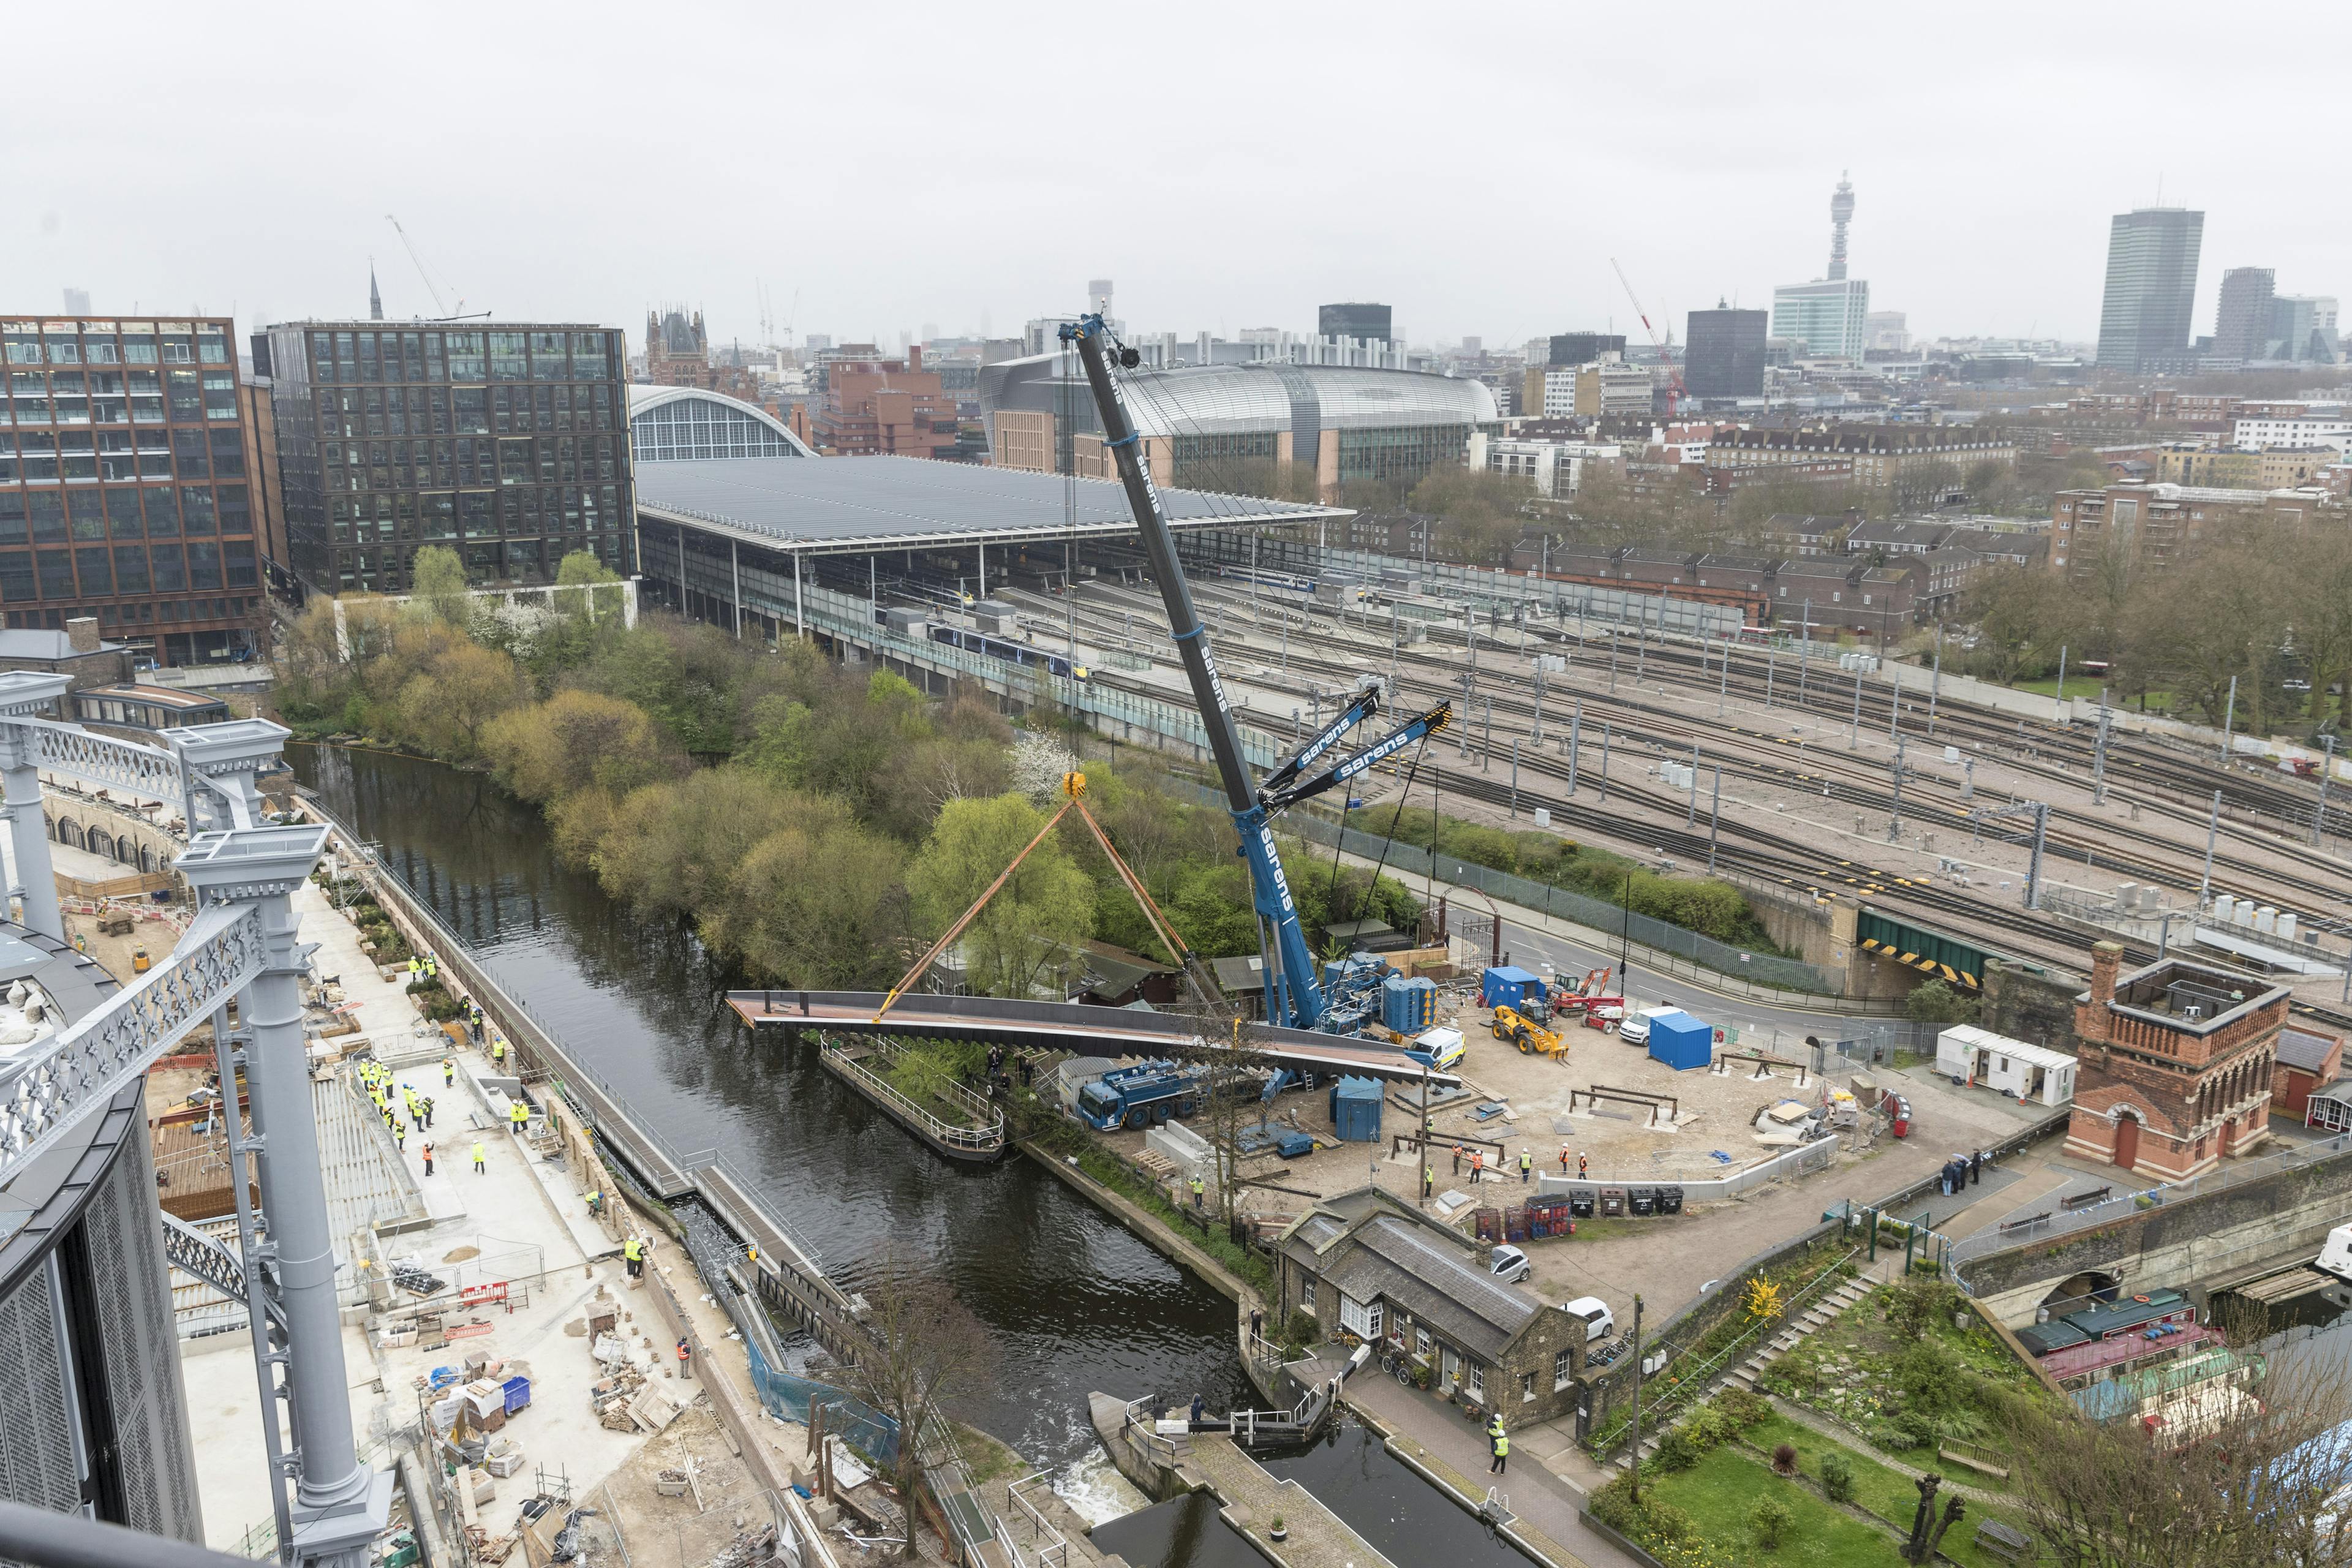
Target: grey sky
<point>1228,164</point>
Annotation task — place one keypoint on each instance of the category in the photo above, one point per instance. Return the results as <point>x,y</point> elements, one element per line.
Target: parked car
<point>1599,1324</point>
<point>1510,1265</point>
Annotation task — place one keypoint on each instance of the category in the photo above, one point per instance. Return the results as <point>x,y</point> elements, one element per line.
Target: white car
<point>1510,1265</point>
<point>1598,1322</point>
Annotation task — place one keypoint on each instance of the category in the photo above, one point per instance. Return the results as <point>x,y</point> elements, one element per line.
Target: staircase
<point>1802,1328</point>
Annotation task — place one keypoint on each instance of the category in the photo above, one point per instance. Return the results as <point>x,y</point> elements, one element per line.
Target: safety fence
<point>791,1397</point>
<point>1765,971</point>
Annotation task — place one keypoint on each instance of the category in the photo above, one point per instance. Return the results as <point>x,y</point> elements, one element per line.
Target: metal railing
<point>1047,1544</point>
<point>2236,1173</point>
<point>989,1135</point>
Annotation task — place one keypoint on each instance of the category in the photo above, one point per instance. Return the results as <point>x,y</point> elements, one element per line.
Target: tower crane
<point>430,287</point>
<point>1293,995</point>
<point>1675,390</point>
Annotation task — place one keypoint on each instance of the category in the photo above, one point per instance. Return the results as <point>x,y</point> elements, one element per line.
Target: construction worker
<point>518,1117</point>
<point>1428,1178</point>
<point>498,1049</point>
<point>479,1153</point>
<point>1563,1159</point>
<point>1582,1164</point>
<point>685,1357</point>
<point>1477,1165</point>
<point>1502,1453</point>
<point>1527,1164</point>
<point>415,969</point>
<point>400,1136</point>
<point>633,1254</point>
<point>1197,1191</point>
<point>432,967</point>
<point>427,1104</point>
<point>427,1153</point>
<point>595,1202</point>
<point>449,1072</point>
<point>751,1254</point>
<point>1457,1159</point>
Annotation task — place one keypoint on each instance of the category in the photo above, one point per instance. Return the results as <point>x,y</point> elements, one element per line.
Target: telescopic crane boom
<point>1293,995</point>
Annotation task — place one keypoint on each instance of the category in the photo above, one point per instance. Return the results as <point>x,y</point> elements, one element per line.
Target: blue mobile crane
<point>1293,997</point>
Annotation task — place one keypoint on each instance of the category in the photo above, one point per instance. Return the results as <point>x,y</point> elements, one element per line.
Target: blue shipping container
<point>1508,986</point>
<point>1408,1006</point>
<point>1681,1041</point>
<point>1356,1110</point>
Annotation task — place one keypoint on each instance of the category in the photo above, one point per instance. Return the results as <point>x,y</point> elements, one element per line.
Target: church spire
<point>375,298</point>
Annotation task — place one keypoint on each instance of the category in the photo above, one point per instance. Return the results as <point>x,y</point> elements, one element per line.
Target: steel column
<point>28,836</point>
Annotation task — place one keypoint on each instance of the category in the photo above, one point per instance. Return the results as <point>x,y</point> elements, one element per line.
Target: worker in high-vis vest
<point>479,1153</point>
<point>1197,1191</point>
<point>1428,1178</point>
<point>449,1072</point>
<point>499,1051</point>
<point>632,1253</point>
<point>595,1202</point>
<point>1527,1163</point>
<point>416,967</point>
<point>517,1115</point>
<point>1502,1451</point>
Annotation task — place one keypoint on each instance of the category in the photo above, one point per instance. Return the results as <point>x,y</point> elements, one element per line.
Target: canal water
<point>1075,1302</point>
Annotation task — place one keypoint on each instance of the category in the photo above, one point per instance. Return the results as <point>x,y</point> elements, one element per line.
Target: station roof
<point>840,505</point>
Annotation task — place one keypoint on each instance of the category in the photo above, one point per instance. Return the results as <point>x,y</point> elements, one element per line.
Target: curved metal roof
<point>644,398</point>
<point>1269,395</point>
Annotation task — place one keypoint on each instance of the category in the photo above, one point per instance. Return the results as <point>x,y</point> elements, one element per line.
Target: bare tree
<point>2234,1473</point>
<point>926,1350</point>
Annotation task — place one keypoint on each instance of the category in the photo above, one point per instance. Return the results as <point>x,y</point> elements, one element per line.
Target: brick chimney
<point>2106,957</point>
<point>82,634</point>
<point>914,356</point>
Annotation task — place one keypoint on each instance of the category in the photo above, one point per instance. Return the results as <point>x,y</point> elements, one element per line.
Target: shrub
<point>1769,1521</point>
<point>1680,1449</point>
<point>1784,1459</point>
<point>1932,1379</point>
<point>1664,1522</point>
<point>1741,1408</point>
<point>1837,1476</point>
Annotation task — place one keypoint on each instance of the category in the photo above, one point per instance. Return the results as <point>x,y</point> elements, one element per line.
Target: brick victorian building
<point>2177,1064</point>
<point>677,353</point>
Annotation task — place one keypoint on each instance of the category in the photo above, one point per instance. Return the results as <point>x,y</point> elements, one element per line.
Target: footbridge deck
<point>1076,1026</point>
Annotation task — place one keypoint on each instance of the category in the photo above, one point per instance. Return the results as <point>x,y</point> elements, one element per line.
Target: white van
<point>2335,1257</point>
<point>1598,1322</point>
<point>1634,1028</point>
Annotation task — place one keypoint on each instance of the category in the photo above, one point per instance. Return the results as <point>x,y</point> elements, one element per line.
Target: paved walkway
<point>1253,1498</point>
<point>1542,1493</point>
<point>1846,1437</point>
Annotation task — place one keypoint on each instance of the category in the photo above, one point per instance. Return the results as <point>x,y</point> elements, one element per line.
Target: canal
<point>1075,1302</point>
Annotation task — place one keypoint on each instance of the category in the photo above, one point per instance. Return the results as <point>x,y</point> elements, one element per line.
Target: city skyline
<point>615,219</point>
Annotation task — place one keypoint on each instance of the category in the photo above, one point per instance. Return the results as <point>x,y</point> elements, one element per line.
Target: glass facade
<point>123,489</point>
<point>2144,321</point>
<point>509,444</point>
<point>1831,319</point>
<point>705,424</point>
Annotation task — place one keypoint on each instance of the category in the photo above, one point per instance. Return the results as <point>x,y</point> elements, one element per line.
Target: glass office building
<point>124,489</point>
<point>1831,319</point>
<point>507,442</point>
<point>2151,284</point>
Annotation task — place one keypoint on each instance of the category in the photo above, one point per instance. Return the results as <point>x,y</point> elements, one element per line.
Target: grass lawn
<point>1888,1493</point>
<point>1719,1490</point>
<point>2087,688</point>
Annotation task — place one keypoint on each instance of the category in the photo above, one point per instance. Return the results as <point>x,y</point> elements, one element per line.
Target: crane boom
<point>1676,390</point>
<point>418,262</point>
<point>1292,993</point>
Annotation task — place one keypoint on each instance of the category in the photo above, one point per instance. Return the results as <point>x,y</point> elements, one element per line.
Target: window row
<point>508,462</point>
<point>151,512</point>
<point>25,342</point>
<point>474,514</point>
<point>103,570</point>
<point>36,457</point>
<point>516,561</point>
<point>431,356</point>
<point>463,411</point>
<point>117,397</point>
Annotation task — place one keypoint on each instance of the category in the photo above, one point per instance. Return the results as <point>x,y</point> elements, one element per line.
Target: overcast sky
<point>897,165</point>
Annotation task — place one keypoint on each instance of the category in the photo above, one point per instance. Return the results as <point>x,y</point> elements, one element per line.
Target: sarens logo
<point>1281,883</point>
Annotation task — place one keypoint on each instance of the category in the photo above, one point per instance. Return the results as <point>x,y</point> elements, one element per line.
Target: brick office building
<point>2178,1062</point>
<point>884,407</point>
<point>127,485</point>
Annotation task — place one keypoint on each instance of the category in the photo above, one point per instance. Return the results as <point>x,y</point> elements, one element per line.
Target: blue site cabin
<point>1681,1041</point>
<point>1508,986</point>
<point>1356,1110</point>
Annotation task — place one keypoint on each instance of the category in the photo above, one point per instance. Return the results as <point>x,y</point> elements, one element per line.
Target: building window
<point>1359,1318</point>
<point>1307,1294</point>
<point>1477,1380</point>
<point>1526,1387</point>
<point>1563,1368</point>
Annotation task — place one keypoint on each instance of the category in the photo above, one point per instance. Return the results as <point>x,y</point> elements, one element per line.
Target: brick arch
<point>146,858</point>
<point>69,833</point>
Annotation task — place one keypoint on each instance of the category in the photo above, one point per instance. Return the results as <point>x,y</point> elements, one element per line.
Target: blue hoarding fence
<point>789,1398</point>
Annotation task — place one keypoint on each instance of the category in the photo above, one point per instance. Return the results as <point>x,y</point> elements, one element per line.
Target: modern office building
<point>2302,327</point>
<point>127,486</point>
<point>2151,283</point>
<point>97,1417</point>
<point>504,441</point>
<point>1367,323</point>
<point>1830,317</point>
<point>1723,355</point>
<point>2241,321</point>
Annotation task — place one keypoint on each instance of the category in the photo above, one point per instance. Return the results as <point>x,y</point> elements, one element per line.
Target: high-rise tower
<point>1841,214</point>
<point>2151,283</point>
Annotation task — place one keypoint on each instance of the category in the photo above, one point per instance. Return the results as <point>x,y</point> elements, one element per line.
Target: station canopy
<point>843,505</point>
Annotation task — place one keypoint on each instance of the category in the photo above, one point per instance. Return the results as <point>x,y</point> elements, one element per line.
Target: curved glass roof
<point>672,424</point>
<point>1270,395</point>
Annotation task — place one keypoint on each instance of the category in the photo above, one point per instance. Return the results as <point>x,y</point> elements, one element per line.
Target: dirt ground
<point>673,1530</point>
<point>116,954</point>
<point>1668,1259</point>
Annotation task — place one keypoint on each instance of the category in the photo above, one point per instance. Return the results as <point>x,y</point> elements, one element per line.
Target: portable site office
<point>2013,1068</point>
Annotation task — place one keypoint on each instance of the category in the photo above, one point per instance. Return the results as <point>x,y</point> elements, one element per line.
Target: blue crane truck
<point>1145,1095</point>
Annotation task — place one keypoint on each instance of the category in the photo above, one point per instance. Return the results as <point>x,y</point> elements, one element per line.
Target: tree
<point>2251,1483</point>
<point>438,580</point>
<point>447,705</point>
<point>925,1351</point>
<point>821,903</point>
<point>1484,513</point>
<point>575,740</point>
<point>1936,1003</point>
<point>1045,907</point>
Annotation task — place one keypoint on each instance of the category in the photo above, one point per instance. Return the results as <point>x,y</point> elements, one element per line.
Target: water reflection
<point>1401,1516</point>
<point>1075,1303</point>
<point>1186,1532</point>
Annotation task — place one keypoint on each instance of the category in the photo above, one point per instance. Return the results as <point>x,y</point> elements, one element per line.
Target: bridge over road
<point>2228,1226</point>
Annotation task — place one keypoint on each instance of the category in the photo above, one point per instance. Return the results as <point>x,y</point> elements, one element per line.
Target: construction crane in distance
<point>430,287</point>
<point>1675,390</point>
